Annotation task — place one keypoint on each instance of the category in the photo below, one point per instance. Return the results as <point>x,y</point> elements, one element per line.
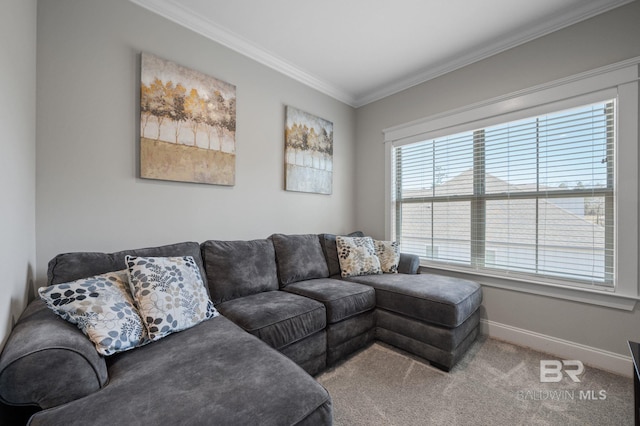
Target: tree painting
<point>187,124</point>
<point>308,152</point>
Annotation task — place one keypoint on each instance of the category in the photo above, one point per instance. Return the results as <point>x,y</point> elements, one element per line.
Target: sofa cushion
<point>47,361</point>
<point>437,299</point>
<point>169,293</point>
<point>239,268</point>
<point>299,257</point>
<point>357,256</point>
<point>72,266</point>
<point>328,242</point>
<point>276,317</point>
<point>213,373</point>
<point>102,308</point>
<point>388,253</point>
<point>341,299</point>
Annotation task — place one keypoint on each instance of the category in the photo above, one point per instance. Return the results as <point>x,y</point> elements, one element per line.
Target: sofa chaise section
<point>212,373</point>
<point>432,316</point>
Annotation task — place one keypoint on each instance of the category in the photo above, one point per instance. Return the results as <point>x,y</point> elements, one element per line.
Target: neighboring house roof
<point>560,221</point>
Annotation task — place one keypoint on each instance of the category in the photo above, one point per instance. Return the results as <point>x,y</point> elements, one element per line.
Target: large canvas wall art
<point>308,152</point>
<point>187,124</point>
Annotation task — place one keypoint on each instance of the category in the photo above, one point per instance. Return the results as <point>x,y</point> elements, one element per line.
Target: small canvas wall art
<point>187,124</point>
<point>308,152</point>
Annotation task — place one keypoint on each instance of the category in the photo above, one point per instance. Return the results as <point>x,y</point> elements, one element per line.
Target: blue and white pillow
<point>101,306</point>
<point>169,293</point>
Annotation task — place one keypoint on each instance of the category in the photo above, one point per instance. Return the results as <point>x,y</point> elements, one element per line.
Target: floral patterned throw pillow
<point>357,256</point>
<point>388,253</point>
<point>102,308</point>
<point>169,293</point>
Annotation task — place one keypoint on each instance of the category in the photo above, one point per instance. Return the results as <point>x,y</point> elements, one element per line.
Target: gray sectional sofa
<point>286,315</point>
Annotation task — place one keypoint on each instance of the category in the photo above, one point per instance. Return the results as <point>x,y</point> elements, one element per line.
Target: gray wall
<point>88,194</point>
<point>17,157</point>
<point>605,39</point>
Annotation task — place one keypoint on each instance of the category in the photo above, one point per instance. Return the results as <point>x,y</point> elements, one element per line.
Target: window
<point>534,191</point>
<point>533,197</point>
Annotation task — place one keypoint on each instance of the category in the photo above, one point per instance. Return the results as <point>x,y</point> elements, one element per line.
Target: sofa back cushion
<point>73,266</point>
<point>239,268</point>
<point>330,250</point>
<point>299,258</point>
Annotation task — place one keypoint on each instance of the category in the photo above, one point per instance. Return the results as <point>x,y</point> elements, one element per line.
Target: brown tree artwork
<point>187,124</point>
<point>308,152</point>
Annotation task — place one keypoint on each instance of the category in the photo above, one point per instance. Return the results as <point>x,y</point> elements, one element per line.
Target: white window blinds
<point>531,198</point>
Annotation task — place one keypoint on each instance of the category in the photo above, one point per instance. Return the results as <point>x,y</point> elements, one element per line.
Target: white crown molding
<point>172,10</point>
<point>559,22</point>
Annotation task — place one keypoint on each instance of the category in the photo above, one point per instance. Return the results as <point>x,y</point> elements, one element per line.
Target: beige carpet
<point>495,384</point>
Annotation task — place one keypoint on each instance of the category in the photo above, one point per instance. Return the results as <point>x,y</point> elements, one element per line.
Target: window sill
<point>575,294</point>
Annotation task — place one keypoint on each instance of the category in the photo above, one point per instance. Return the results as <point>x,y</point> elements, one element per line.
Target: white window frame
<point>619,81</point>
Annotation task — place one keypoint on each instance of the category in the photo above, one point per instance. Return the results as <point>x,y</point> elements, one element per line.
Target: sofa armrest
<point>409,263</point>
<point>48,361</point>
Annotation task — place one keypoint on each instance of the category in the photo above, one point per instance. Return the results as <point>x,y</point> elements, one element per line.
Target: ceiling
<point>359,51</point>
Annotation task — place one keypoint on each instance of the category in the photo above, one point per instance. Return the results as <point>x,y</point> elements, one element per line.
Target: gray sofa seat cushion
<point>239,268</point>
<point>72,266</point>
<point>342,299</point>
<point>276,317</point>
<point>213,373</point>
<point>432,298</point>
<point>299,258</point>
<point>47,361</point>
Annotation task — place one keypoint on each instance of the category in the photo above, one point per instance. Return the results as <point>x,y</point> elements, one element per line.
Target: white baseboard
<point>598,358</point>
